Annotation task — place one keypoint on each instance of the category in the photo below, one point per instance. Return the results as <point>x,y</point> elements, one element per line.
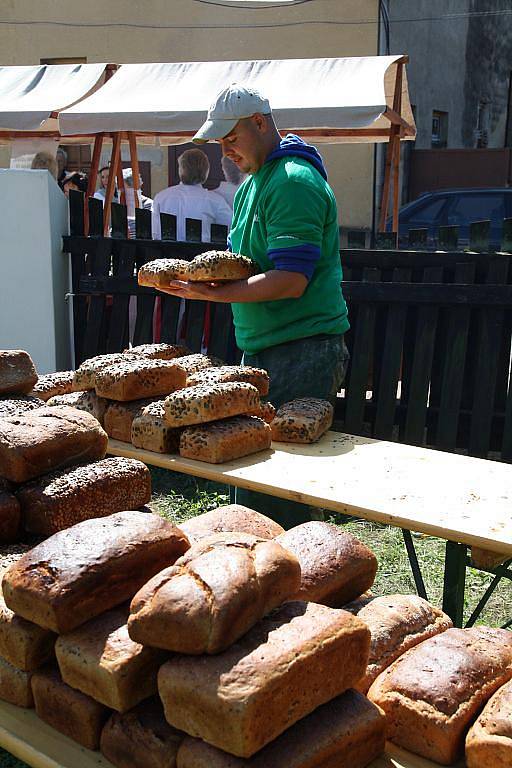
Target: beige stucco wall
<point>192,30</point>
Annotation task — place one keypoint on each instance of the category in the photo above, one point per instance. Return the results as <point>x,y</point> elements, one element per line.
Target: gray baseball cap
<point>232,104</point>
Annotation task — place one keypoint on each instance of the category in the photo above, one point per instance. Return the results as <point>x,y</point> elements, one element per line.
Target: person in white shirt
<point>190,200</point>
<point>101,193</point>
<point>233,178</point>
<point>129,194</point>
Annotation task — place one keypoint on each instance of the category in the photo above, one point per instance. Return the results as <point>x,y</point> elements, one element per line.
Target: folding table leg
<point>454,581</point>
<point>415,566</point>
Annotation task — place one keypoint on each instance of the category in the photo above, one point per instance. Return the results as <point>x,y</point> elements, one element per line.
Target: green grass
<point>179,497</point>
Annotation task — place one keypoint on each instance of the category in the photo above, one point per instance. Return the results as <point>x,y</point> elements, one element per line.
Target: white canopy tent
<point>334,100</point>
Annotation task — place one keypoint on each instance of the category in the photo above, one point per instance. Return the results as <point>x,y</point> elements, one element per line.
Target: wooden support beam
<point>109,194</point>
<point>120,177</point>
<point>134,161</point>
<point>91,186</point>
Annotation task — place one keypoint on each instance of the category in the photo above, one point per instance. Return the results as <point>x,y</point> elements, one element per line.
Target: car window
<point>425,215</point>
<point>469,208</point>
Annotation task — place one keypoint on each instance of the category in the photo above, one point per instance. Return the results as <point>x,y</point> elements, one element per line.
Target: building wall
<point>190,30</point>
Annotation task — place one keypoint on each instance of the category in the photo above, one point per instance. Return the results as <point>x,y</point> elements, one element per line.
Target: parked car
<point>458,207</point>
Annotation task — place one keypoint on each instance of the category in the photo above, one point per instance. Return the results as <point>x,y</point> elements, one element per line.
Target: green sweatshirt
<point>287,204</point>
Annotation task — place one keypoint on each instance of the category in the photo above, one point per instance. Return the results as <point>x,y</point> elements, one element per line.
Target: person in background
<point>45,160</point>
<point>75,180</point>
<point>102,191</point>
<point>190,200</point>
<point>129,193</point>
<point>62,160</point>
<point>233,178</point>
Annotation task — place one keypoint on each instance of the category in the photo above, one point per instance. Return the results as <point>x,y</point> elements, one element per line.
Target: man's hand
<point>268,286</point>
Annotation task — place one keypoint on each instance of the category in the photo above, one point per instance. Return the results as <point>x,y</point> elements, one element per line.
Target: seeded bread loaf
<point>266,411</point>
<point>87,401</point>
<point>85,375</point>
<point>225,373</point>
<point>14,405</point>
<point>152,433</point>
<point>209,402</point>
<point>159,351</point>
<point>216,266</point>
<point>231,517</point>
<point>141,738</point>
<point>347,732</point>
<point>17,372</point>
<point>64,498</point>
<point>15,685</point>
<point>297,658</point>
<point>396,623</point>
<point>432,693</point>
<point>198,362</point>
<point>77,716</point>
<point>102,661</point>
<point>22,643</point>
<point>489,742</point>
<point>225,440</point>
<point>160,272</point>
<point>303,420</point>
<point>213,594</point>
<point>82,571</point>
<point>336,567</point>
<point>139,378</point>
<point>119,418</point>
<point>40,441</point>
<point>10,517</point>
<point>52,384</point>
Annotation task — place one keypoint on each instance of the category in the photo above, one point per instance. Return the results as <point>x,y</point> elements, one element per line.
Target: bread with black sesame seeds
<point>225,440</point>
<point>223,373</point>
<point>87,401</point>
<point>159,351</point>
<point>17,372</point>
<point>209,402</point>
<point>198,362</point>
<point>119,417</point>
<point>139,377</point>
<point>303,420</point>
<point>14,405</point>
<point>159,272</point>
<point>52,384</point>
<point>85,375</point>
<point>217,266</point>
<point>151,432</point>
<point>213,594</point>
<point>265,411</point>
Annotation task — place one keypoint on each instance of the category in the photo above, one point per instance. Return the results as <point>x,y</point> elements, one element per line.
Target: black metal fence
<point>429,340</point>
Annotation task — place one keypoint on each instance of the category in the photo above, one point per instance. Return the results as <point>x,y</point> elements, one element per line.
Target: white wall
<point>34,273</point>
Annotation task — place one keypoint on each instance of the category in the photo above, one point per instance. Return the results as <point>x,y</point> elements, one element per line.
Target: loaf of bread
<point>40,441</point>
<point>102,661</point>
<point>14,405</point>
<point>225,440</point>
<point>141,738</point>
<point>64,498</point>
<point>10,517</point>
<point>198,362</point>
<point>85,375</point>
<point>209,402</point>
<point>303,420</point>
<point>266,411</point>
<point>297,658</point>
<point>160,272</point>
<point>336,567</point>
<point>151,432</point>
<point>231,517</point>
<point>347,732</point>
<point>85,401</point>
<point>489,742</point>
<point>22,643</point>
<point>226,373</point>
<point>217,266</point>
<point>77,716</point>
<point>17,371</point>
<point>396,623</point>
<point>139,378</point>
<point>213,594</point>
<point>53,384</point>
<point>95,565</point>
<point>119,418</point>
<point>159,351</point>
<point>432,693</point>
<point>15,685</point>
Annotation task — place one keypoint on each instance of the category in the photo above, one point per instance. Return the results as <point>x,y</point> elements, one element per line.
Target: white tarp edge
<point>169,98</point>
<point>28,95</point>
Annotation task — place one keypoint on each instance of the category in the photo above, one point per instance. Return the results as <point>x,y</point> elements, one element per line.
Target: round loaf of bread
<point>215,266</point>
<point>160,272</point>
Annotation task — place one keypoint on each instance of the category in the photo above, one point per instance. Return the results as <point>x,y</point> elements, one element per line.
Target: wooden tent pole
<point>134,161</point>
<point>91,186</point>
<point>387,179</point>
<point>393,157</point>
<point>396,183</point>
<point>120,178</point>
<point>109,194</point>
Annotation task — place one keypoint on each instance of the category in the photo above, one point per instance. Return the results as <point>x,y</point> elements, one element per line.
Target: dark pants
<point>311,367</point>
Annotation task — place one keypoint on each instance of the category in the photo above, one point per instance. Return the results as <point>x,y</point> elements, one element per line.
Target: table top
<point>458,498</point>
<point>26,737</point>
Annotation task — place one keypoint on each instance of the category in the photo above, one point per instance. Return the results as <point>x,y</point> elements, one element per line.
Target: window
<point>439,129</point>
<point>64,60</point>
<point>467,209</point>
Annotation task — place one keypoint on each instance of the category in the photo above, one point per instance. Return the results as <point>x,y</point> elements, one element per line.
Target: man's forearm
<point>268,286</point>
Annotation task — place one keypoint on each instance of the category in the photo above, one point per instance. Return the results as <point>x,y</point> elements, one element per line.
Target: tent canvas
<point>346,95</point>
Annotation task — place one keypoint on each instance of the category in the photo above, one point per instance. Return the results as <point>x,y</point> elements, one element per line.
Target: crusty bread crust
<point>87,401</point>
<point>151,433</point>
<point>231,517</point>
<point>209,402</point>
<point>140,377</point>
<point>15,685</point>
<point>22,643</point>
<point>17,372</point>
<point>303,420</point>
<point>258,377</point>
<point>226,439</point>
<point>85,375</point>
<point>52,384</point>
<point>216,266</point>
<point>489,742</point>
<point>160,272</point>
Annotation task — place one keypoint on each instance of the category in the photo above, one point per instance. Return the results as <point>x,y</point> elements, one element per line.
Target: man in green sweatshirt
<point>291,317</point>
